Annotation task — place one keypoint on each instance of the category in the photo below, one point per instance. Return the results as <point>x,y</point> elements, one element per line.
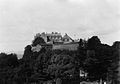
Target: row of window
<point>55,37</point>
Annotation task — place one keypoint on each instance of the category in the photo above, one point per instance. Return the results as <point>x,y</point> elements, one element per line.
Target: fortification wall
<point>67,46</point>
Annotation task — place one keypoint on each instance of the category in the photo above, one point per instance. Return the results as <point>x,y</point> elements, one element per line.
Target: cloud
<point>22,19</point>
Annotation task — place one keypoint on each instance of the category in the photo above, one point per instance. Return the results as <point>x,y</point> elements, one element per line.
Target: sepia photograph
<point>59,41</point>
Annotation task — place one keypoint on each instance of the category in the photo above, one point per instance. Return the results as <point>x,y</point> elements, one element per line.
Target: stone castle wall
<point>67,46</point>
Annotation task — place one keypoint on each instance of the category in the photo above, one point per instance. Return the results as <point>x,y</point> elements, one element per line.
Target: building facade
<point>67,39</point>
<point>54,37</point>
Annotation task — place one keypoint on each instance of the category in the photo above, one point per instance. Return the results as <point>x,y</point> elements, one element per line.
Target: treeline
<point>99,61</point>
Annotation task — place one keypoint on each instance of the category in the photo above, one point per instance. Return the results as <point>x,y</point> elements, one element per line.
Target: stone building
<point>55,41</point>
<point>54,37</point>
<point>67,39</point>
<point>66,46</point>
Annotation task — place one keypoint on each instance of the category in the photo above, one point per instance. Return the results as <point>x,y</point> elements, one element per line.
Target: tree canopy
<point>99,60</point>
<point>38,40</point>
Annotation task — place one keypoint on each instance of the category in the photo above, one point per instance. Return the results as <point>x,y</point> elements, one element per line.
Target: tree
<point>82,53</point>
<point>27,53</point>
<point>114,68</point>
<point>8,60</point>
<point>61,66</point>
<point>93,42</point>
<point>98,58</point>
<point>38,40</point>
<point>7,63</point>
<point>98,61</point>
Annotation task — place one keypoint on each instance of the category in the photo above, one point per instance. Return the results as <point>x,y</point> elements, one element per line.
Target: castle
<point>55,38</point>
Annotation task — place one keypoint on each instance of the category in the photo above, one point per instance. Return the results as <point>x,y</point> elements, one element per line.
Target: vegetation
<point>99,60</point>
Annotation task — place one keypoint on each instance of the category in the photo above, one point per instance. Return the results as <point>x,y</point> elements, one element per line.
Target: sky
<point>20,20</point>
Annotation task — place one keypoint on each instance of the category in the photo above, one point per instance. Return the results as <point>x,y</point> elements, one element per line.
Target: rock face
<point>36,48</point>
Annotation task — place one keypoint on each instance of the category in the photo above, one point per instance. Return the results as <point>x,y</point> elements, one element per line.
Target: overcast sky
<point>20,20</point>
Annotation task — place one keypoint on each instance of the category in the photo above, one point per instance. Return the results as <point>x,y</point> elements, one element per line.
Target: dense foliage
<point>99,60</point>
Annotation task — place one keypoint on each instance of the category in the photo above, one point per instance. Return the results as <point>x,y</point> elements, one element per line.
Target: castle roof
<point>67,37</point>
